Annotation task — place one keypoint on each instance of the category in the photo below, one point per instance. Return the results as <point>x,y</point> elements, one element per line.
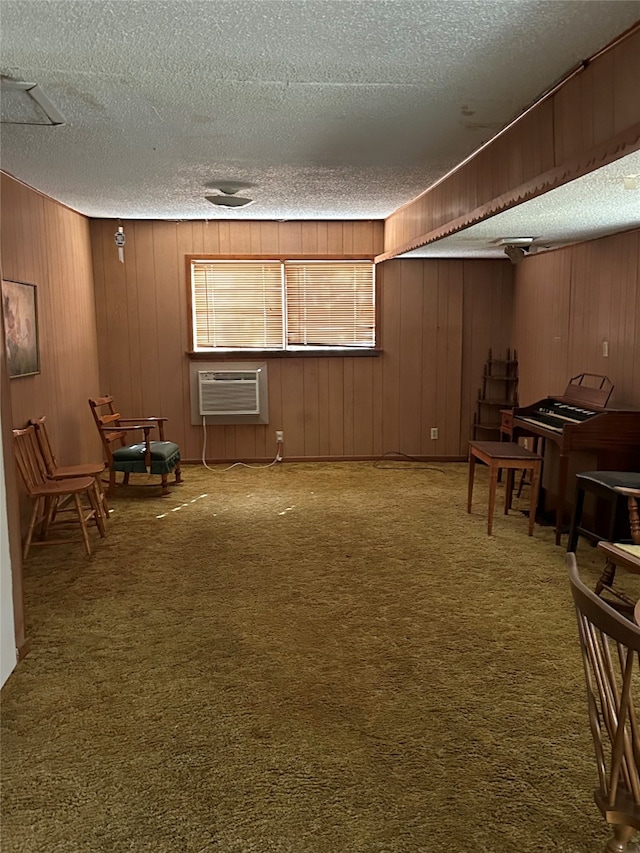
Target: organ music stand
<point>583,394</point>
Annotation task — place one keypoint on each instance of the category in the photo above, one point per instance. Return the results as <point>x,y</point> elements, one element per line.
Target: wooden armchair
<point>148,456</point>
<point>610,646</point>
<point>50,496</point>
<point>62,472</point>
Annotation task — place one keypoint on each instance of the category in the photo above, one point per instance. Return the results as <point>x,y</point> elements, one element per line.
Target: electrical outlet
<point>280,435</point>
<point>434,432</point>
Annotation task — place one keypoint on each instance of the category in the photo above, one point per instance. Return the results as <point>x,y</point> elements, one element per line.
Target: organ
<point>580,421</point>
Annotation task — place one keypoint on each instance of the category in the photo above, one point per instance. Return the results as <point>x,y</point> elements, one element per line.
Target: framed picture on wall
<point>20,313</point>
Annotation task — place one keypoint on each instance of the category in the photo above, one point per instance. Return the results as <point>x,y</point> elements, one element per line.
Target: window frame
<point>303,352</point>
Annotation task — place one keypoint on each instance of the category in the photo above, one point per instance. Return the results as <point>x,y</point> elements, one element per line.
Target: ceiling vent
<point>26,103</point>
<point>516,248</point>
<point>515,253</point>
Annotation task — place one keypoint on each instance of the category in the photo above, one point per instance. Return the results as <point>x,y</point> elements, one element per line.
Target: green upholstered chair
<point>150,455</point>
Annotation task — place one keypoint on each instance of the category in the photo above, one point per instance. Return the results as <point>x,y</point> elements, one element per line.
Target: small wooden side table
<point>509,455</point>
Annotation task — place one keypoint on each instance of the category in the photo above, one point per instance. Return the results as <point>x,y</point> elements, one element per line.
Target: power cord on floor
<point>278,457</point>
<point>419,466</point>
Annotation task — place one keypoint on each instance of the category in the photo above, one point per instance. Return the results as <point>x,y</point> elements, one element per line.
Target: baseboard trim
<point>389,458</point>
<point>23,649</point>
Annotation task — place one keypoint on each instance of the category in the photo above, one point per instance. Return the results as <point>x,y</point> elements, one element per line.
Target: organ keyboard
<point>579,420</point>
<point>553,415</point>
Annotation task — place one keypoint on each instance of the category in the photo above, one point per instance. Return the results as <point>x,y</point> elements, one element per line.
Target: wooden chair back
<point>50,495</point>
<point>29,459</point>
<point>44,443</point>
<point>82,469</point>
<point>108,423</point>
<point>610,646</point>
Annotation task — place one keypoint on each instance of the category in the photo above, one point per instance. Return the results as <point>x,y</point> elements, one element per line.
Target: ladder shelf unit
<point>499,391</point>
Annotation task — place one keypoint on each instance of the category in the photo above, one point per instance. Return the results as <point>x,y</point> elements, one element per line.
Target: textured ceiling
<point>327,108</point>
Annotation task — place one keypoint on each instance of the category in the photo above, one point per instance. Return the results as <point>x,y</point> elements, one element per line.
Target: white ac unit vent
<point>229,392</point>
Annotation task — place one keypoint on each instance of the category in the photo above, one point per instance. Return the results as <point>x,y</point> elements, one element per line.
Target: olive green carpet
<point>308,658</point>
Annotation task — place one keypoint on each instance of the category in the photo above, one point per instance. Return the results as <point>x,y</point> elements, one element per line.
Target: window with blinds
<point>283,305</point>
<point>237,305</point>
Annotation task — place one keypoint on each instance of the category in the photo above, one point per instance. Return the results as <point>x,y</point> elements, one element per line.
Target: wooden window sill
<point>212,355</point>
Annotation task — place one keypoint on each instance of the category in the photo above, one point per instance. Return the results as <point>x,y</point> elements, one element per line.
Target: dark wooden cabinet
<point>499,391</point>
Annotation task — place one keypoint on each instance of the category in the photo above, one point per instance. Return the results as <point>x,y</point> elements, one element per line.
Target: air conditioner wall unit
<point>229,392</point>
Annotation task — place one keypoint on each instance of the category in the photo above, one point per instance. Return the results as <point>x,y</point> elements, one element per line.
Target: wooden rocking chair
<point>144,457</point>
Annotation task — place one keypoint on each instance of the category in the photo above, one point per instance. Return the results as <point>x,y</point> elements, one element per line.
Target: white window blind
<point>237,305</point>
<point>330,304</point>
<point>282,305</point>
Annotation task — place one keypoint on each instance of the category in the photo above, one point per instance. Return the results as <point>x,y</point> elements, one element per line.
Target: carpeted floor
<point>309,658</point>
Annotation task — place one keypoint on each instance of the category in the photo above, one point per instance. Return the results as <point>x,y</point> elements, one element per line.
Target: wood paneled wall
<point>438,320</point>
<point>567,302</point>
<point>13,527</point>
<point>591,120</point>
<point>46,244</point>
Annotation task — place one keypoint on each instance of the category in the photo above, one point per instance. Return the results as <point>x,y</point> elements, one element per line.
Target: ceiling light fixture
<point>228,190</point>
<point>229,200</point>
<point>631,182</point>
<point>228,187</point>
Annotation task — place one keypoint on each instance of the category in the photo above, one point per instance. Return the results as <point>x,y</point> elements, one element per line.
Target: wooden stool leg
<point>576,519</point>
<point>613,513</point>
<point>535,489</point>
<point>562,494</point>
<point>472,468</point>
<point>178,473</point>
<point>493,481</point>
<point>508,490</point>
